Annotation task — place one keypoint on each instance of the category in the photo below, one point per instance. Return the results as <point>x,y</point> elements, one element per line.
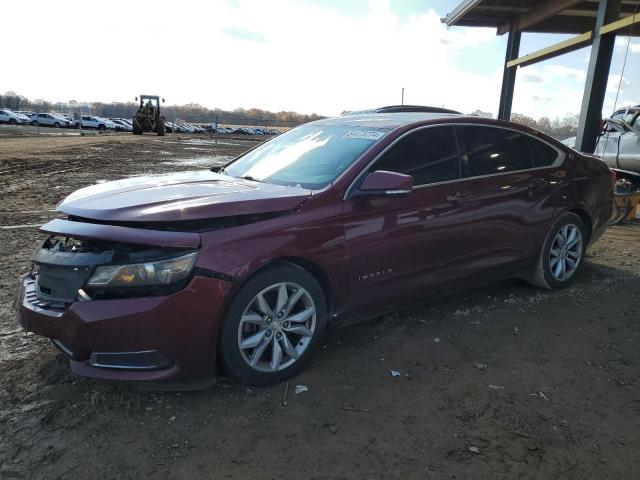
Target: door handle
<point>458,196</point>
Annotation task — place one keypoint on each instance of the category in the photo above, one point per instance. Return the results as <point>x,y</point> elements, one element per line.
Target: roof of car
<point>372,119</point>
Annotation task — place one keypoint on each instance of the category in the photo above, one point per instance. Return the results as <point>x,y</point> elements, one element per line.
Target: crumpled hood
<point>180,196</point>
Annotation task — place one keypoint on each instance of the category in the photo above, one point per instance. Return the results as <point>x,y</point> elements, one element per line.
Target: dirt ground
<point>503,382</point>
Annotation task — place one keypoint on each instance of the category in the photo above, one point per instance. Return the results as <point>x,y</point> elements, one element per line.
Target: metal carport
<point>593,22</point>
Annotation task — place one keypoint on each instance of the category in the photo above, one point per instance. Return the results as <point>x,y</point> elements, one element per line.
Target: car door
<point>509,188</point>
<point>401,247</point>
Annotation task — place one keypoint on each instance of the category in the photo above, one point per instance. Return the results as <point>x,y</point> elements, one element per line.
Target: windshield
<point>311,156</point>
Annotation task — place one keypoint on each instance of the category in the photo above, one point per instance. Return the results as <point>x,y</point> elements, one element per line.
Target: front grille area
<point>60,284</point>
<point>34,302</point>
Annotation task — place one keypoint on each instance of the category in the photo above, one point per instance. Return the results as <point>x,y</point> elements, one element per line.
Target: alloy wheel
<point>566,252</point>
<point>277,327</point>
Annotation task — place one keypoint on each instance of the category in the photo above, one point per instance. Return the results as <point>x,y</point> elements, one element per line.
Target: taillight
<point>613,177</point>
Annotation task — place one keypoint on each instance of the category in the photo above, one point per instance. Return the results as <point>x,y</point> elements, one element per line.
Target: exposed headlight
<point>148,274</point>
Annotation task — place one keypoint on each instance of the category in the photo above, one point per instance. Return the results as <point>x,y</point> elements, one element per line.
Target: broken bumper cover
<point>168,338</point>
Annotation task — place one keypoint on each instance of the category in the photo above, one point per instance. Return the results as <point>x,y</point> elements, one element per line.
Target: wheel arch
<point>309,266</point>
<point>586,219</point>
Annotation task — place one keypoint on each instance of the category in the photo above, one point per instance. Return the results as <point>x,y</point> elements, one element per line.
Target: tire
<point>34,123</point>
<point>12,121</point>
<point>57,125</point>
<point>551,262</point>
<point>295,339</point>
<point>136,126</point>
<point>160,129</point>
<point>102,127</point>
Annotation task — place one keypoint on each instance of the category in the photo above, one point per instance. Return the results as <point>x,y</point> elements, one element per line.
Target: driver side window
<point>429,155</point>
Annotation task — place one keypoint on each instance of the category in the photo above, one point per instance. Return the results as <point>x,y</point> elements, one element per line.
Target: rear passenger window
<point>490,150</point>
<point>429,155</point>
<point>543,154</point>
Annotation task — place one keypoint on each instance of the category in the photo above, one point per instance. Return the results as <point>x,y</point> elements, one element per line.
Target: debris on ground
<point>301,389</point>
<point>541,395</point>
<point>474,449</point>
<point>395,373</point>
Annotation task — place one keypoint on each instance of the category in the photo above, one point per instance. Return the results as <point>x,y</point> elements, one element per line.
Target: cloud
<point>532,77</point>
<point>616,82</point>
<point>241,34</point>
<point>566,72</point>
<point>621,45</point>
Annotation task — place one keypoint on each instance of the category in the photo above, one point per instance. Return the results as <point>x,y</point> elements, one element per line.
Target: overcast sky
<point>321,56</point>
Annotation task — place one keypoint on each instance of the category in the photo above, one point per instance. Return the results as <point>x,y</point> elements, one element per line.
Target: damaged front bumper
<point>138,339</point>
<point>169,337</point>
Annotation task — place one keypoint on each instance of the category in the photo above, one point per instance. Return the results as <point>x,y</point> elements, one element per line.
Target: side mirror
<point>382,182</point>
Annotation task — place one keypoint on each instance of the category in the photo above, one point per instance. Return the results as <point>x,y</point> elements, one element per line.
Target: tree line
<point>560,128</point>
<point>191,112</point>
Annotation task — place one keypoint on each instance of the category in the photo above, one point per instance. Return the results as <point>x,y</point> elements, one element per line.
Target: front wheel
<point>12,121</point>
<point>272,326</point>
<point>562,254</point>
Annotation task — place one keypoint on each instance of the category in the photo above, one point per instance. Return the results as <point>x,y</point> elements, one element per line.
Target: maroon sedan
<point>178,277</point>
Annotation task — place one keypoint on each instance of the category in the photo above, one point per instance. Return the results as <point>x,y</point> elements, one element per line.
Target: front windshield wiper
<point>219,169</point>
<point>249,177</point>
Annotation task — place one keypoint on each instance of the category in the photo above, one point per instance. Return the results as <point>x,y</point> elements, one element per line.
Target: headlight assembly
<point>148,274</point>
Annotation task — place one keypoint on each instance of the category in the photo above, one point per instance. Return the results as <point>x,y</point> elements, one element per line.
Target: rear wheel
<point>57,125</point>
<point>160,129</point>
<point>562,254</point>
<point>102,127</point>
<point>12,121</point>
<point>273,325</point>
<point>34,123</point>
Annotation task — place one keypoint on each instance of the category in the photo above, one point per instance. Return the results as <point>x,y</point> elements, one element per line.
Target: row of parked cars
<point>61,120</point>
<point>212,128</point>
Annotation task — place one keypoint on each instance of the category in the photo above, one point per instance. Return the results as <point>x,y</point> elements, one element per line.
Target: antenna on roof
<point>402,101</point>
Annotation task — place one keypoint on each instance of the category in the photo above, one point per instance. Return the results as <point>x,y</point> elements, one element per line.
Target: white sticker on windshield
<point>364,134</point>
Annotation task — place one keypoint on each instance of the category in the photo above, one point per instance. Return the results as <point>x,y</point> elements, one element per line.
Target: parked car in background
<point>168,127</point>
<point>109,124</point>
<point>26,113</point>
<point>619,143</point>
<point>12,118</point>
<point>241,270</point>
<point>49,120</point>
<point>242,131</point>
<point>90,122</point>
<point>122,126</point>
